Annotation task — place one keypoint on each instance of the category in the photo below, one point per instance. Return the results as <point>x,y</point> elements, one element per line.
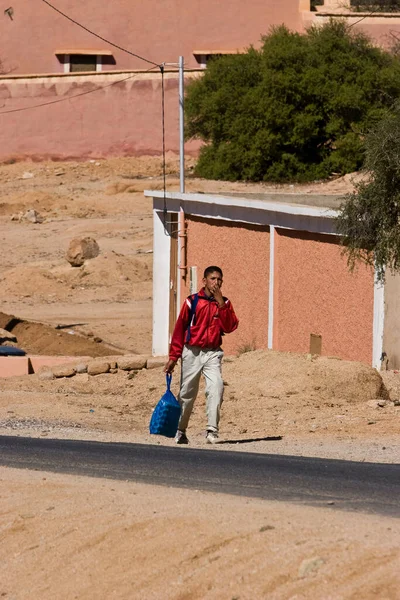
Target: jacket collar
<point>204,296</point>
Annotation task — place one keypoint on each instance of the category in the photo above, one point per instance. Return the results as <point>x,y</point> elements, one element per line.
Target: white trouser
<point>196,361</point>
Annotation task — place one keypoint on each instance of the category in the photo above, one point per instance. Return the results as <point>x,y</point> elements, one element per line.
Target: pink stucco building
<point>58,81</point>
<point>283,271</point>
<point>35,38</point>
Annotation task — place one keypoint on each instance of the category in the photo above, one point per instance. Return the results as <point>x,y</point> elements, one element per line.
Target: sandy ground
<point>71,537</point>
<point>74,537</point>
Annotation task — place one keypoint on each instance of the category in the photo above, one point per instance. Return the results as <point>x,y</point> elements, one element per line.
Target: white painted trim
<point>161,282</point>
<point>179,260</point>
<point>378,323</point>
<point>269,204</point>
<point>67,63</point>
<point>271,287</point>
<point>281,214</point>
<point>255,216</point>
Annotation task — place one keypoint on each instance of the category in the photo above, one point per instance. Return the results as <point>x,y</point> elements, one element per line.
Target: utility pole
<point>181,67</point>
<point>181,125</point>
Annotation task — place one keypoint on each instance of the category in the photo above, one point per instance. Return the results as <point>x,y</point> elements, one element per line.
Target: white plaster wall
<point>161,282</point>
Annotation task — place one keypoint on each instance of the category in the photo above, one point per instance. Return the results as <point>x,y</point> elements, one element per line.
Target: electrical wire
<point>99,36</point>
<point>101,87</point>
<point>161,67</point>
<point>363,17</point>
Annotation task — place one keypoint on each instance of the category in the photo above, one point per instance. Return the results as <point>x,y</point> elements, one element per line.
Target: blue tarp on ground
<point>11,351</point>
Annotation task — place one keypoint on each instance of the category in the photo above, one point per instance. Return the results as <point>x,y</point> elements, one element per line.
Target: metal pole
<point>181,125</point>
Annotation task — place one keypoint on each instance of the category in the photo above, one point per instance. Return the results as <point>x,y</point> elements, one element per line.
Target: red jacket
<point>208,324</point>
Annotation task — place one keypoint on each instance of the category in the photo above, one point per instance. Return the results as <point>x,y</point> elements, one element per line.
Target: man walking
<point>197,339</point>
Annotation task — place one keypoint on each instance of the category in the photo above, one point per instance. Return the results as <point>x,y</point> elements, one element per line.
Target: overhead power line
<point>99,36</point>
<point>97,89</point>
<point>364,17</point>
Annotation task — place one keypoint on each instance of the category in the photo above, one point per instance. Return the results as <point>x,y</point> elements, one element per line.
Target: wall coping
<point>274,202</point>
<point>93,74</point>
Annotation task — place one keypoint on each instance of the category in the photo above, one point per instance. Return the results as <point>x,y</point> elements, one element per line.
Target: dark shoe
<point>181,438</point>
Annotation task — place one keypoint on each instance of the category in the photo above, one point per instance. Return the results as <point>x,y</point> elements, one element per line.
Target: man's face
<point>212,282</point>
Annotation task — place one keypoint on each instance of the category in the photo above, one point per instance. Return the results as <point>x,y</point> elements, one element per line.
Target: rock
<point>97,367</point>
<point>97,339</point>
<point>81,249</point>
<point>81,368</point>
<point>113,371</point>
<point>64,371</point>
<point>46,375</point>
<point>130,363</point>
<point>381,403</point>
<point>372,403</point>
<point>113,364</point>
<point>396,402</point>
<point>33,216</point>
<point>310,565</point>
<point>156,361</point>
<point>132,374</point>
<point>6,336</point>
<point>27,175</point>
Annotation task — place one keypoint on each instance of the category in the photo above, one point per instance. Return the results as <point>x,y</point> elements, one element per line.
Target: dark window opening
<point>82,62</point>
<point>315,3</point>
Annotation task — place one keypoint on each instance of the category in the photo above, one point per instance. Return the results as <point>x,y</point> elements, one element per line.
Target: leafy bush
<point>297,109</point>
<point>369,218</point>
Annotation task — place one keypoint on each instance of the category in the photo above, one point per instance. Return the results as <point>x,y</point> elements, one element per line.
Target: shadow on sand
<point>275,438</point>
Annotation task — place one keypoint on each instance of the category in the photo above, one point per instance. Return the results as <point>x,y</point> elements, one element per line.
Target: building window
<point>315,3</point>
<point>203,57</point>
<point>81,61</point>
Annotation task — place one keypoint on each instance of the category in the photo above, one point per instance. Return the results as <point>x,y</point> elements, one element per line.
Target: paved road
<point>362,487</point>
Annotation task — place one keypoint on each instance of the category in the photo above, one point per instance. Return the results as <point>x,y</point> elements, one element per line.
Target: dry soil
<point>73,537</point>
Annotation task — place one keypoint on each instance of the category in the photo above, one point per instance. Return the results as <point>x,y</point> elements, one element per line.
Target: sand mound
<point>108,269</point>
<point>39,201</point>
<point>38,338</point>
<point>270,374</point>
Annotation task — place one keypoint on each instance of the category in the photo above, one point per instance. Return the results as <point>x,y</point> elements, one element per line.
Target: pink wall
<point>159,31</point>
<point>123,119</point>
<point>315,293</point>
<point>376,27</point>
<point>242,252</point>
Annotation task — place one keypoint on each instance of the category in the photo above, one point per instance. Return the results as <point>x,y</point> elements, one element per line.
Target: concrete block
<point>97,367</point>
<point>156,361</point>
<point>13,365</point>
<point>37,362</point>
<point>63,371</point>
<point>46,375</point>
<point>129,363</point>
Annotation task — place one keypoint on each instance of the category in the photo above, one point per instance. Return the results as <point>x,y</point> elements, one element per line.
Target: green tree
<point>297,109</point>
<point>369,218</point>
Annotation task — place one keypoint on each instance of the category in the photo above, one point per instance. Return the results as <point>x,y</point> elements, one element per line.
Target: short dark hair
<point>212,269</point>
